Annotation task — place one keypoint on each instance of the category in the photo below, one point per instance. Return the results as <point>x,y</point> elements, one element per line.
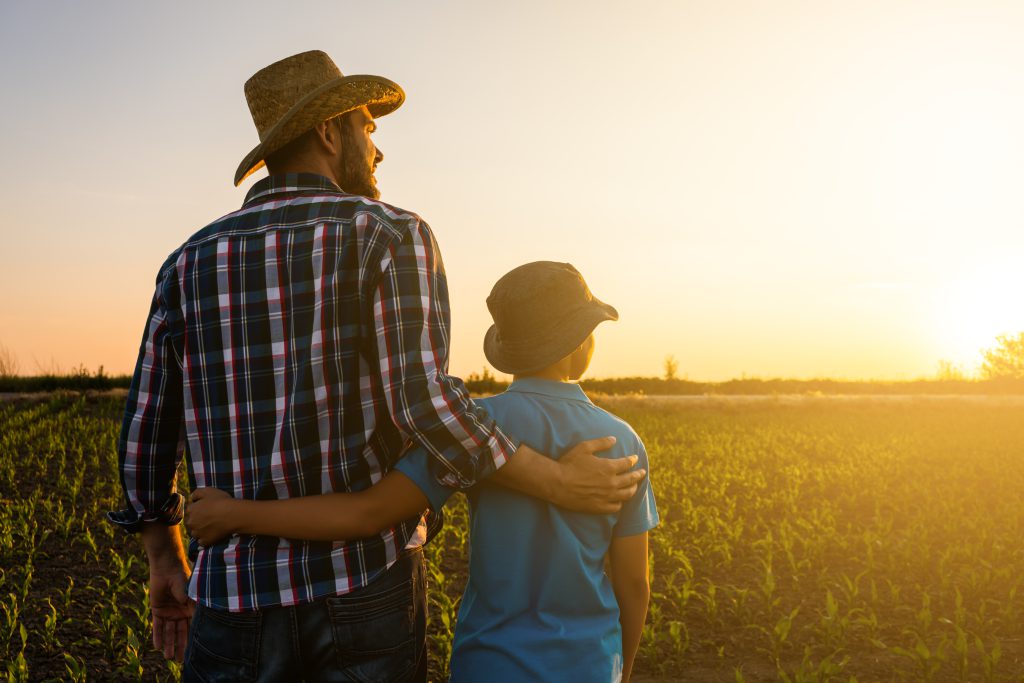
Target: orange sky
<point>765,189</point>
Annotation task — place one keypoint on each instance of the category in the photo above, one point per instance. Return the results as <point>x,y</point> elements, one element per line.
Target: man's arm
<point>411,318</point>
<point>149,452</point>
<point>579,480</point>
<point>628,559</point>
<point>434,410</point>
<point>213,514</point>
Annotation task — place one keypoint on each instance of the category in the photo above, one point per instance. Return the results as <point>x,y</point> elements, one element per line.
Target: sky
<point>787,189</point>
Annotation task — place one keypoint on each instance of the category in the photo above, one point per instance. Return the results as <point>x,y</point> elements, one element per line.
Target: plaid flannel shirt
<point>295,347</point>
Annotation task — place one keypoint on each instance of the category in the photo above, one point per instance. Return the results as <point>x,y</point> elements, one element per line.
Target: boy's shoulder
<point>511,406</point>
<point>619,428</point>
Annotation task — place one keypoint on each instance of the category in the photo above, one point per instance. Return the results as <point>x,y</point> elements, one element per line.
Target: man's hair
<point>291,150</point>
<point>299,145</point>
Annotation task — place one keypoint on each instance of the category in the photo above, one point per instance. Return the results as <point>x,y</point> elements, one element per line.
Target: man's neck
<point>315,166</point>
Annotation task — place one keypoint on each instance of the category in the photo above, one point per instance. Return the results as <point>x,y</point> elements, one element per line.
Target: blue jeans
<point>371,635</point>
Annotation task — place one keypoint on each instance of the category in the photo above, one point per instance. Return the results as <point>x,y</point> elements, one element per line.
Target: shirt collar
<point>549,387</point>
<point>288,183</point>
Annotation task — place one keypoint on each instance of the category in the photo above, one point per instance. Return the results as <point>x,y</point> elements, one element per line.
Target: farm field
<point>811,539</point>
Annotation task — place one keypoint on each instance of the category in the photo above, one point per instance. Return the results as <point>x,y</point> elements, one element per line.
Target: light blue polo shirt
<point>538,605</point>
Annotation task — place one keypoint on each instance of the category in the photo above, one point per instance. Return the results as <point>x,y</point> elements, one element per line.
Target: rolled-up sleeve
<point>151,445</point>
<point>419,466</point>
<point>431,408</point>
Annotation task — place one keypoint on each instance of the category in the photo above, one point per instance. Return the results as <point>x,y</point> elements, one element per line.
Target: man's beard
<point>355,175</point>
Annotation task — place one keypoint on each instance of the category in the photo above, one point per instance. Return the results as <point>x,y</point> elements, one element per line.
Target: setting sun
<point>972,310</point>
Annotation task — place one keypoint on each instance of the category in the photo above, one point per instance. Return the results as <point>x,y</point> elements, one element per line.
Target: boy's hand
<point>208,515</point>
<point>592,484</point>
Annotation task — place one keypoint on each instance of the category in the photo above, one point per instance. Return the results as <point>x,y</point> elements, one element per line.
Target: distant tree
<point>484,383</point>
<point>8,363</point>
<point>946,371</point>
<point>671,367</point>
<point>1006,359</point>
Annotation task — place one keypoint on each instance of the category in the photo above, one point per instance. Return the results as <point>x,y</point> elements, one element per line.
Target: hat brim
<point>549,346</point>
<point>378,94</point>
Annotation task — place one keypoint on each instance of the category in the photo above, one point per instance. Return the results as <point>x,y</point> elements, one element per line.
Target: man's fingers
<point>622,494</point>
<point>629,478</point>
<point>637,476</point>
<point>593,445</point>
<point>620,465</point>
<point>627,485</point>
<point>598,445</point>
<point>180,640</point>
<point>170,633</point>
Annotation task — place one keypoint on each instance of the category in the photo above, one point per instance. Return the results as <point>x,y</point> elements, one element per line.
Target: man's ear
<point>328,136</point>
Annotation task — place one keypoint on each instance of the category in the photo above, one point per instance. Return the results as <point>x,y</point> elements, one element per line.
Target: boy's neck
<point>553,373</point>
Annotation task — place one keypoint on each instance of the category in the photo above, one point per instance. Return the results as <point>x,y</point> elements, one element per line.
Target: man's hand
<point>589,483</point>
<point>580,481</point>
<point>172,610</point>
<point>168,589</point>
<point>207,516</point>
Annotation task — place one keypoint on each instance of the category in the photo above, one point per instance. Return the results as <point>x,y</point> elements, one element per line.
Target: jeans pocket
<point>376,632</point>
<point>223,646</point>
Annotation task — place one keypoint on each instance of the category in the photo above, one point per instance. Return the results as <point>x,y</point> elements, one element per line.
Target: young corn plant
<point>76,668</point>
<point>17,666</point>
<point>989,658</point>
<point>928,660</point>
<point>48,633</point>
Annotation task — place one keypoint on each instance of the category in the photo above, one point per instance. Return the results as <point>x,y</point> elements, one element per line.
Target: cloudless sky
<point>795,188</point>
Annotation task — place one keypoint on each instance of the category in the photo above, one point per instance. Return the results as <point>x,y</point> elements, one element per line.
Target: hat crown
<point>542,311</point>
<point>274,90</point>
<point>533,298</point>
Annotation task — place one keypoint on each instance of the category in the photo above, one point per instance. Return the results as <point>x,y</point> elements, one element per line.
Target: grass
<point>812,540</point>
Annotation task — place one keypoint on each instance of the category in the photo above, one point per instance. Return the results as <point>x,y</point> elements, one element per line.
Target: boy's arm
<point>407,491</point>
<point>628,558</point>
<point>213,514</point>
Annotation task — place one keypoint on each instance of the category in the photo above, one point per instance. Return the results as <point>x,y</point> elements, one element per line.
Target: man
<point>297,347</point>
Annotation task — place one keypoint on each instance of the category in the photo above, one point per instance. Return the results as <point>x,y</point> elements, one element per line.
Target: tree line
<point>1002,372</point>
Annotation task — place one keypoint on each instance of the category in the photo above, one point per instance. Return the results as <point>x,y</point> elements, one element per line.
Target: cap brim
<point>379,95</point>
<point>523,357</point>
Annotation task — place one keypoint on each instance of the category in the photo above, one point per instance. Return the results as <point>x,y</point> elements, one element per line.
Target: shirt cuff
<point>131,520</point>
<point>416,466</point>
<point>507,446</point>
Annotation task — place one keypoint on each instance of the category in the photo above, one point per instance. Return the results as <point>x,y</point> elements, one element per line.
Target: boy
<point>538,605</point>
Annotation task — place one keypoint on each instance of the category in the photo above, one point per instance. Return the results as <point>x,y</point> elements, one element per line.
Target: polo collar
<point>549,387</point>
<point>268,188</point>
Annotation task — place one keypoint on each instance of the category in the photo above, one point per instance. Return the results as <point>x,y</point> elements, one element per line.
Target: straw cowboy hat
<point>291,96</point>
<point>542,312</point>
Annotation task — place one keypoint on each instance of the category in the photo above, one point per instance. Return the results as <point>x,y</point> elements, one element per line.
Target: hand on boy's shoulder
<point>627,441</point>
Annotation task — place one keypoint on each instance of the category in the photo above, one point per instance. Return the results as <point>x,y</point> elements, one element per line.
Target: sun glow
<point>973,310</point>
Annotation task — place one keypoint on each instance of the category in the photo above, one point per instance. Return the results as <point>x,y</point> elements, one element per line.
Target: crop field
<point>811,540</point>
